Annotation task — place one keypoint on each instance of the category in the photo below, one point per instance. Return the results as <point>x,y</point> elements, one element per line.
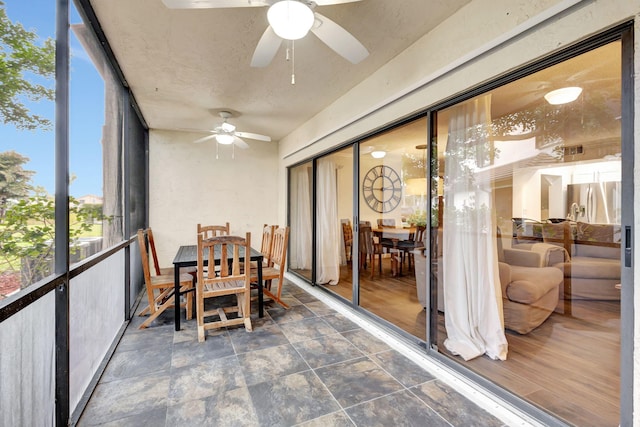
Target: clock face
<point>382,188</point>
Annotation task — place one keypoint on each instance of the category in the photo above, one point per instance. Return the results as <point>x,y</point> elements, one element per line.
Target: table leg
<point>176,294</point>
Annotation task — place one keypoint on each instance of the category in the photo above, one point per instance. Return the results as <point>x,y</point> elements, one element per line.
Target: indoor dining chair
<point>231,279</point>
<point>160,288</point>
<point>416,241</point>
<point>347,238</point>
<point>369,248</point>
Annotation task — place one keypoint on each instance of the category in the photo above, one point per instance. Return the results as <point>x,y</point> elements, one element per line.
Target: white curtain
<point>472,293</point>
<point>300,256</point>
<point>328,224</point>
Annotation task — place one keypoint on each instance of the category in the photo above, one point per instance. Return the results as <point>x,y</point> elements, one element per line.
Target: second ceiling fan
<point>289,20</point>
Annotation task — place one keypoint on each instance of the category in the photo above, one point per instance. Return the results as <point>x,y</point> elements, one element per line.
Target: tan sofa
<point>529,291</point>
<point>589,258</point>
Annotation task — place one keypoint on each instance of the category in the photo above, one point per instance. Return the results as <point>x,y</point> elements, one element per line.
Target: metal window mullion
<point>126,196</point>
<point>61,252</point>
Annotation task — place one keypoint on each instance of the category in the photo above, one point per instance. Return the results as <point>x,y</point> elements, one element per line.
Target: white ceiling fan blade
<point>339,39</point>
<point>267,47</point>
<point>330,2</point>
<point>240,143</point>
<point>204,138</point>
<point>209,4</point>
<point>256,136</point>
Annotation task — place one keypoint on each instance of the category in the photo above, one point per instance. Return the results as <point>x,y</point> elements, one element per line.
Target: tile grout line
<point>484,399</point>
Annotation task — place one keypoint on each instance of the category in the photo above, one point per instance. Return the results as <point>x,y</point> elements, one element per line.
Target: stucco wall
<point>188,185</point>
<point>455,57</point>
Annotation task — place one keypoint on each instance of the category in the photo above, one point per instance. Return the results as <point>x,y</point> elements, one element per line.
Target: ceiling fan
<point>227,134</point>
<point>289,20</point>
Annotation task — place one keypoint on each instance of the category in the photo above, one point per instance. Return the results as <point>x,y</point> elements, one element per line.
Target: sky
<point>86,109</point>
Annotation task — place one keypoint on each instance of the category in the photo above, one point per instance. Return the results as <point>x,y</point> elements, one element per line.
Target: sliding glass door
<point>392,205</point>
<point>529,262</point>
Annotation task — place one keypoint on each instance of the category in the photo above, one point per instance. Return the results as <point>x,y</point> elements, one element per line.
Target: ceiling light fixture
<point>378,154</point>
<point>290,19</point>
<point>224,139</point>
<point>563,95</point>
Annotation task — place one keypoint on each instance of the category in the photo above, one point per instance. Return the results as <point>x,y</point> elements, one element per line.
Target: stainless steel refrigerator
<point>595,202</point>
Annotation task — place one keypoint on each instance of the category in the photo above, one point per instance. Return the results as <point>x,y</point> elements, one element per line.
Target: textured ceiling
<point>184,66</point>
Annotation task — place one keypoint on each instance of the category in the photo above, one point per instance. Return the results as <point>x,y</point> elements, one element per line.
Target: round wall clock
<point>382,188</point>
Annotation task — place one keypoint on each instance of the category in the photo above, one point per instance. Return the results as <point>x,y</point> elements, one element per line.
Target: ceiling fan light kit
<point>290,19</point>
<point>224,139</point>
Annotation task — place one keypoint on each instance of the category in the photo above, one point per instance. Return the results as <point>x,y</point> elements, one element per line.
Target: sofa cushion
<point>592,268</point>
<point>529,284</point>
<point>595,251</point>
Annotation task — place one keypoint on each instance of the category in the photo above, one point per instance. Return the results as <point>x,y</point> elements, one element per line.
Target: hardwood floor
<point>570,365</point>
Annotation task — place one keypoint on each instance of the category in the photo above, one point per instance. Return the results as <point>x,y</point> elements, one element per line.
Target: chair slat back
<point>366,239</point>
<point>386,223</point>
<point>144,255</point>
<point>267,243</point>
<point>209,231</point>
<point>152,249</point>
<point>280,243</point>
<point>418,236</point>
<point>224,245</point>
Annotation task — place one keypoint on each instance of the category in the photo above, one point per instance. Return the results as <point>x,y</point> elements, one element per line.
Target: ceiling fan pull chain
<point>233,152</point>
<point>293,62</point>
<point>217,149</point>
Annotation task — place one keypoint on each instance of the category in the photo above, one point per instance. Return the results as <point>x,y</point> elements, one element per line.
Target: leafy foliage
<point>14,180</point>
<point>28,232</point>
<point>20,55</point>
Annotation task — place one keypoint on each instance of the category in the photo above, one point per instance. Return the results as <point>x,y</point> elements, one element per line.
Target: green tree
<point>27,235</point>
<point>19,57</point>
<point>14,180</point>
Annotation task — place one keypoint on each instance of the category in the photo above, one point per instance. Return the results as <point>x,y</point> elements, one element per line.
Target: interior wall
<point>482,42</point>
<point>188,185</point>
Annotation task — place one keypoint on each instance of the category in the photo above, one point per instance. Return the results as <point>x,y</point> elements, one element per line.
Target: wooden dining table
<point>187,256</point>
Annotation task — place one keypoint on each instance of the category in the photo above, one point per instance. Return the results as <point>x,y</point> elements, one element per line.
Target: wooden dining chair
<point>347,238</point>
<point>160,287</point>
<point>231,279</point>
<point>209,231</point>
<point>369,248</point>
<point>416,241</point>
<point>278,264</point>
<point>160,271</point>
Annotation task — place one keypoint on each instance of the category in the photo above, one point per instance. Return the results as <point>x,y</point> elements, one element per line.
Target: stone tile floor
<point>306,366</point>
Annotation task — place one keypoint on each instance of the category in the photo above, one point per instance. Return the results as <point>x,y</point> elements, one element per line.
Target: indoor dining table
<point>187,256</point>
<point>389,238</point>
